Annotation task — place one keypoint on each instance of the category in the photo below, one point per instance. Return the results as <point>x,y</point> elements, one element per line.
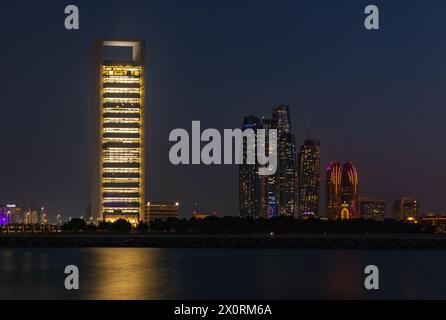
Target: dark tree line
<point>119,226</point>
<point>237,225</point>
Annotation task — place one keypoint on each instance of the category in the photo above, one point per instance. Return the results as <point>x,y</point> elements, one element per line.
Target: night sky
<point>376,98</point>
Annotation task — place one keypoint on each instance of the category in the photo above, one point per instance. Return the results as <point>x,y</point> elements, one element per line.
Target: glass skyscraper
<point>309,178</point>
<point>251,191</point>
<point>273,195</point>
<point>287,162</point>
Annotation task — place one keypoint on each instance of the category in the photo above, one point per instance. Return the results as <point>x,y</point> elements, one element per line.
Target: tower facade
<point>287,162</point>
<point>309,178</point>
<point>276,194</point>
<point>333,190</point>
<point>118,185</point>
<point>349,192</point>
<point>250,195</point>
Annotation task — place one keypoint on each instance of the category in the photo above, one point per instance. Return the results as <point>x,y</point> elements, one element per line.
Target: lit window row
<point>123,210</point>
<point>121,90</point>
<point>119,110</point>
<point>111,200</point>
<point>121,120</point>
<point>121,170</point>
<point>120,180</point>
<point>121,130</point>
<point>121,140</point>
<point>121,154</point>
<point>122,100</point>
<point>121,189</point>
<point>121,68</point>
<point>122,160</point>
<point>119,79</point>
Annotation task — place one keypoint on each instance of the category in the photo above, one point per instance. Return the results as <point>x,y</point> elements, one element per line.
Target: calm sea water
<point>147,273</point>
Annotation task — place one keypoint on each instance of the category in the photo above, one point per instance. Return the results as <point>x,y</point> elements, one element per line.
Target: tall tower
<point>119,129</point>
<point>249,180</point>
<point>333,191</point>
<point>309,178</point>
<point>258,195</point>
<point>349,192</point>
<point>287,162</point>
<point>269,184</point>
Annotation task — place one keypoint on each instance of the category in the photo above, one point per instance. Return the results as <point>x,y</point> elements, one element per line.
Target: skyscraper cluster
<point>295,188</point>
<point>22,214</point>
<point>274,195</point>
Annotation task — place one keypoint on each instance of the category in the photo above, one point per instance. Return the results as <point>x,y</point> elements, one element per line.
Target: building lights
<point>119,193</point>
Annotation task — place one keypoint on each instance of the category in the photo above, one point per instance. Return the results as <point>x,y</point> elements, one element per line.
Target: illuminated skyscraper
<point>269,184</point>
<point>333,191</point>
<point>349,192</point>
<point>250,195</point>
<point>287,162</point>
<point>309,178</point>
<point>118,119</point>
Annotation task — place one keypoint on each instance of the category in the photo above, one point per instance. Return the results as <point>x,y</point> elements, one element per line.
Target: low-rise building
<point>372,208</point>
<point>162,211</point>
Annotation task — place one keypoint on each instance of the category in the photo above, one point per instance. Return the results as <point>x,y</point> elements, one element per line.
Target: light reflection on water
<point>149,273</point>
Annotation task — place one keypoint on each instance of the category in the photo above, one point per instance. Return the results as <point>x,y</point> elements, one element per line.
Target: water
<point>149,273</point>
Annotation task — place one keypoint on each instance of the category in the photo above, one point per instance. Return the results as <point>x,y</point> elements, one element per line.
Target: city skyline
<point>372,98</point>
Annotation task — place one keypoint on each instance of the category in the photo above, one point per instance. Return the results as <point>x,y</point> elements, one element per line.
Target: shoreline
<point>285,241</point>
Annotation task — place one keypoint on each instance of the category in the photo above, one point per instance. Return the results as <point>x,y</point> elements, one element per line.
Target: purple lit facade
<point>4,217</point>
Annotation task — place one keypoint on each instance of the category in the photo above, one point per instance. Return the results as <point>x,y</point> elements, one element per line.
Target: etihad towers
<point>287,162</point>
<point>309,178</point>
<point>333,190</point>
<point>118,136</point>
<point>275,195</point>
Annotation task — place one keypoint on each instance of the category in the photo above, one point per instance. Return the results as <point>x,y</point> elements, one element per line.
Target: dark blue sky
<point>373,97</point>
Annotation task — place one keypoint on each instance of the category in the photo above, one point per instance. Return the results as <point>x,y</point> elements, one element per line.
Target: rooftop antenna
<point>308,131</point>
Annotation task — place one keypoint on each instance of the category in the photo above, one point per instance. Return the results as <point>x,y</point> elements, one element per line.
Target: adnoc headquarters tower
<point>119,127</point>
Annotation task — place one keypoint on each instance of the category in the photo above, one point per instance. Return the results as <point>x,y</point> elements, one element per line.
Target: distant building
<point>406,208</point>
<point>438,222</point>
<point>59,220</point>
<point>22,214</point>
<point>372,209</point>
<point>249,180</point>
<point>287,162</point>
<point>342,185</point>
<point>269,184</point>
<point>4,217</point>
<point>309,178</point>
<point>275,194</point>
<point>349,192</point>
<point>162,211</point>
<point>201,215</point>
<point>333,191</point>
<point>258,195</point>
